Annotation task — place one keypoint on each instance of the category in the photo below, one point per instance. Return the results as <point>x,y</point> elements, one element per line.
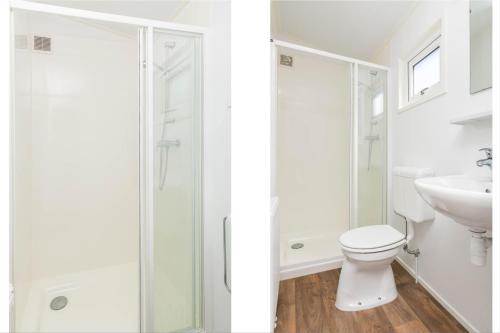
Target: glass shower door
<point>176,261</point>
<point>371,149</point>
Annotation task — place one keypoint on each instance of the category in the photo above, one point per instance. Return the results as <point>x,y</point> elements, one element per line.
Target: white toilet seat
<point>375,250</point>
<point>371,239</point>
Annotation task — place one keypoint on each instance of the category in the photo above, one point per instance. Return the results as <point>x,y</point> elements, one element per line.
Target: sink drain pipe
<point>479,245</point>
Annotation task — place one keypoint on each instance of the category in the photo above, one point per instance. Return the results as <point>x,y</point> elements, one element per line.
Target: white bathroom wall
<point>76,163</point>
<point>313,134</point>
<point>423,137</point>
<point>198,13</point>
<point>84,148</point>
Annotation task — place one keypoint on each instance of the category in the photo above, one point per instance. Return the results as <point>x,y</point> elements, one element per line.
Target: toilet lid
<point>371,237</point>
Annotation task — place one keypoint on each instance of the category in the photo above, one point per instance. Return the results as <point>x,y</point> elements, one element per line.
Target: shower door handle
<point>225,222</point>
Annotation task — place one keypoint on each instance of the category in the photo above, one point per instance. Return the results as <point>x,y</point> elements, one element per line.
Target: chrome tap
<point>487,160</point>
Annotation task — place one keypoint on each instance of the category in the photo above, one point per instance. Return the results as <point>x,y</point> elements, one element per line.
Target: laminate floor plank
<point>428,310</point>
<point>309,310</point>
<point>414,326</point>
<point>399,312</point>
<point>307,305</point>
<point>373,321</point>
<point>286,307</point>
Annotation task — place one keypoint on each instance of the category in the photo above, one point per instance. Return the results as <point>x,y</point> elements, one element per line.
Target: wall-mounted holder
<point>472,118</point>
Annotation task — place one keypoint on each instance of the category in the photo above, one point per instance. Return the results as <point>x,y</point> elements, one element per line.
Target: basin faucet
<point>487,160</point>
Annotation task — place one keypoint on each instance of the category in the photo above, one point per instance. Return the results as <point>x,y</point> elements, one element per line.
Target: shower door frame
<point>145,108</point>
<point>353,139</point>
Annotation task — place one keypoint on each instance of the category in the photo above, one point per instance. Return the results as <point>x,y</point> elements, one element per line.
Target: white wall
<point>313,145</point>
<point>423,137</point>
<point>85,149</point>
<point>77,153</point>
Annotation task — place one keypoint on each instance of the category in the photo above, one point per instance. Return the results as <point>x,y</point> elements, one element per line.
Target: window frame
<point>378,91</point>
<point>423,45</point>
<point>421,55</point>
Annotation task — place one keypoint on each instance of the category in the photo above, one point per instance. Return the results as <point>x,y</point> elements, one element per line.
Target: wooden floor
<point>307,305</point>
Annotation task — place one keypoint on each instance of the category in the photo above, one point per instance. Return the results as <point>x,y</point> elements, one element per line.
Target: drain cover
<point>297,246</point>
<point>58,303</point>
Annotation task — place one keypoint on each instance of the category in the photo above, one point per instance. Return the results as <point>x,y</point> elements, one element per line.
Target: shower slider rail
<point>174,70</point>
<point>168,143</point>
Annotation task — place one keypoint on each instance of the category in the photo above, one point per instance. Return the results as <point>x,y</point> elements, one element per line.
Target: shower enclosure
<point>108,229</point>
<point>330,152</point>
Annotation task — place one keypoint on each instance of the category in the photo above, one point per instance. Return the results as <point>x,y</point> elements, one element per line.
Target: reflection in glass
<point>371,151</point>
<point>177,202</point>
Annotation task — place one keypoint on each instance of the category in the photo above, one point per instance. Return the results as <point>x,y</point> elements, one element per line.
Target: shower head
<point>373,73</point>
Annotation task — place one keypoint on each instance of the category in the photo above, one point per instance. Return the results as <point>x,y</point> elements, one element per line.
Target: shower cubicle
<point>329,152</point>
<point>107,192</point>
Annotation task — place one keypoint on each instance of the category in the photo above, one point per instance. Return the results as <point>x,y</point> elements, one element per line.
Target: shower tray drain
<point>58,303</point>
<point>297,246</point>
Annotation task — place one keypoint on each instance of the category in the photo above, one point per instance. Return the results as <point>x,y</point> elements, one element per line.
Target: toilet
<point>366,279</point>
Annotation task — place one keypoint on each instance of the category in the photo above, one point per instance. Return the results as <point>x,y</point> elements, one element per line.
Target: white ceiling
<point>351,28</point>
<point>164,10</point>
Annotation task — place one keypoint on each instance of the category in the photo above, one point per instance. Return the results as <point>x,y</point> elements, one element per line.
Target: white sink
<point>465,199</point>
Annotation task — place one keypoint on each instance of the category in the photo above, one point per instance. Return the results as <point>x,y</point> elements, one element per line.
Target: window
<point>378,104</point>
<point>424,71</point>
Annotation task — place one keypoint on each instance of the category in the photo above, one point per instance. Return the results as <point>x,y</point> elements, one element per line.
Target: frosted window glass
<point>426,72</point>
<point>378,104</point>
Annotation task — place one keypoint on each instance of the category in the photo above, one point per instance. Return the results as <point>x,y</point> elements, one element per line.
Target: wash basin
<point>465,199</point>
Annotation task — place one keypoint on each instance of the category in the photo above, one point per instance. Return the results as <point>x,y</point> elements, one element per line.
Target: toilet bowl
<point>366,278</point>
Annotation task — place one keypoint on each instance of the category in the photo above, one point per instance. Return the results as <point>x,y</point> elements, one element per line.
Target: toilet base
<point>365,285</point>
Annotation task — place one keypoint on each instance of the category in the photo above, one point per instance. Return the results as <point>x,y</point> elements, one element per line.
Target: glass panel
<point>177,190</point>
<point>426,72</point>
<point>371,150</point>
<point>76,183</point>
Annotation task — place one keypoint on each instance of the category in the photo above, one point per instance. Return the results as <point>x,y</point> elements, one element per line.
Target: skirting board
<point>468,326</point>
<point>293,271</point>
